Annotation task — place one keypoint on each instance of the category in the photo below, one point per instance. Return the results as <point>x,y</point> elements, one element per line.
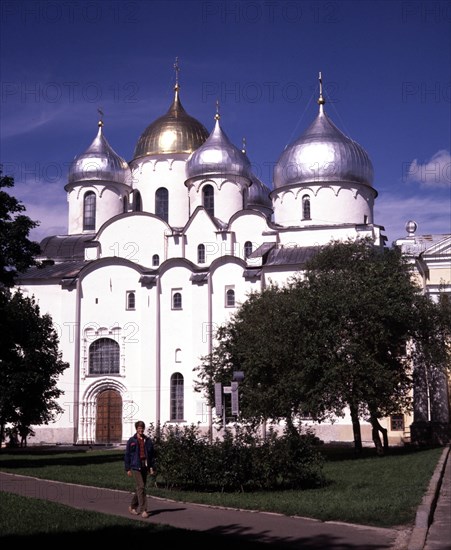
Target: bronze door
<point>109,417</point>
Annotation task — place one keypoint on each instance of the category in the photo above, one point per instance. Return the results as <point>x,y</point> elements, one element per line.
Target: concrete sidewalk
<point>432,530</point>
<point>277,530</point>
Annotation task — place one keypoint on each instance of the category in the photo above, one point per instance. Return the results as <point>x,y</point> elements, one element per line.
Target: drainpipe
<point>210,345</point>
<point>158,355</point>
<point>77,359</point>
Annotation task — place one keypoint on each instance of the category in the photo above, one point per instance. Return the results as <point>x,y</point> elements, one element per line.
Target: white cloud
<point>432,213</point>
<point>436,172</point>
<point>45,203</point>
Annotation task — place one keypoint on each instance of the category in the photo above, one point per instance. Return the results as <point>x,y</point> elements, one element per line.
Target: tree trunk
<point>376,428</point>
<point>356,430</point>
<point>376,439</point>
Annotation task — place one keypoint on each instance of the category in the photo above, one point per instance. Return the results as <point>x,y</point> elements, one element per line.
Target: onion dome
<point>218,156</point>
<point>258,193</point>
<point>323,154</point>
<point>174,132</point>
<point>99,163</point>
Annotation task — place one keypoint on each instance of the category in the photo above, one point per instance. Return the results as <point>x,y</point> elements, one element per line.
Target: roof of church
<point>295,255</point>
<point>50,271</point>
<point>65,247</point>
<point>174,132</point>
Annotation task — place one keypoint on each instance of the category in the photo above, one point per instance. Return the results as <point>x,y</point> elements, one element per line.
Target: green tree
<point>333,338</point>
<point>30,362</point>
<point>365,298</point>
<point>265,339</point>
<point>17,252</point>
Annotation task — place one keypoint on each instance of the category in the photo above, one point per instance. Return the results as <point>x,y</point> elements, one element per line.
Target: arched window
<point>208,199</point>
<point>131,300</point>
<point>306,207</point>
<point>177,300</point>
<point>201,254</point>
<point>247,249</point>
<point>162,203</point>
<point>178,355</point>
<point>155,260</point>
<point>176,397</point>
<point>104,356</point>
<point>138,205</point>
<point>230,297</point>
<point>89,211</point>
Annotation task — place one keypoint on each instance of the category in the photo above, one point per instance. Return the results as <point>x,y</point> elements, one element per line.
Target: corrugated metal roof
<point>199,278</point>
<point>65,247</point>
<point>295,255</point>
<point>53,271</point>
<point>262,250</point>
<point>252,273</point>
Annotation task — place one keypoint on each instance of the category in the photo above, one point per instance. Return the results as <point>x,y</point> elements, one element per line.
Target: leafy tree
<point>332,338</point>
<point>266,340</point>
<point>17,252</point>
<point>431,353</point>
<point>366,298</point>
<point>30,362</point>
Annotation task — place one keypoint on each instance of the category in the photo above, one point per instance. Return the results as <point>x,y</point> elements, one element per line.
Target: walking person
<point>139,461</point>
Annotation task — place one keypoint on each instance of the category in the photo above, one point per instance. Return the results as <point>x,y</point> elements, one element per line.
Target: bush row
<point>242,460</point>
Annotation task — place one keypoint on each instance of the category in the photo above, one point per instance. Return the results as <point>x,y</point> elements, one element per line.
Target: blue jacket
<point>131,457</point>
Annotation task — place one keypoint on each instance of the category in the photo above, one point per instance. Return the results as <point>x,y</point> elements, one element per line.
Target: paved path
<point>439,533</point>
<point>277,530</point>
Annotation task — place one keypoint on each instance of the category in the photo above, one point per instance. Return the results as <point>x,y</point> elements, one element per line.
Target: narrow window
<point>208,199</point>
<point>131,300</point>
<point>201,254</point>
<point>138,206</point>
<point>178,355</point>
<point>176,405</point>
<point>247,249</point>
<point>125,203</point>
<point>306,214</point>
<point>89,211</point>
<point>230,297</point>
<point>104,356</point>
<point>162,203</point>
<point>155,260</point>
<point>177,300</point>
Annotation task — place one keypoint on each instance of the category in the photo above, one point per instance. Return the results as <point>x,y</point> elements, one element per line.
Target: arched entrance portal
<point>109,417</point>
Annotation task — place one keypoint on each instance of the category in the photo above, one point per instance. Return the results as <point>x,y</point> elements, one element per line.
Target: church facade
<point>161,250</point>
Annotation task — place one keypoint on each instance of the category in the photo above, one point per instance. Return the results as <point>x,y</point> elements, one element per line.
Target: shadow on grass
<point>336,452</point>
<point>16,458</point>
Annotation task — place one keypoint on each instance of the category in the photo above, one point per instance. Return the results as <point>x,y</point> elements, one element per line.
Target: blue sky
<point>385,67</point>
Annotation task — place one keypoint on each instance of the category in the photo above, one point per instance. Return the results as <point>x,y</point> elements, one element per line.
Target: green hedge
<point>240,461</point>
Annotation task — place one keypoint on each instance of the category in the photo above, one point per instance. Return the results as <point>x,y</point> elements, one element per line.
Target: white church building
<point>162,249</point>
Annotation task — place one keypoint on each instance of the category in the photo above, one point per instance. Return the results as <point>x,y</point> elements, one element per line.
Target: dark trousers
<point>139,499</point>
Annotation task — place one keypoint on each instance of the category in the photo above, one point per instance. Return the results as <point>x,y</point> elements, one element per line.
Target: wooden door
<point>109,417</point>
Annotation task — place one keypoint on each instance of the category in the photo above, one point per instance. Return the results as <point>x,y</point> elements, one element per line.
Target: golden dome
<point>174,132</point>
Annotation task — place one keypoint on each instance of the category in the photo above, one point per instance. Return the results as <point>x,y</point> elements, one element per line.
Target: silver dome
<point>323,154</point>
<point>99,163</point>
<point>174,132</point>
<point>218,156</point>
<point>258,193</point>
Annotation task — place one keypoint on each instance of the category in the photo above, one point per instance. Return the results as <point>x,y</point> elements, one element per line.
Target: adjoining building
<point>161,250</point>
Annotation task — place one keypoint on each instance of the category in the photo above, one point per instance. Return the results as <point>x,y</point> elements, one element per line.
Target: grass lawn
<point>379,491</point>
